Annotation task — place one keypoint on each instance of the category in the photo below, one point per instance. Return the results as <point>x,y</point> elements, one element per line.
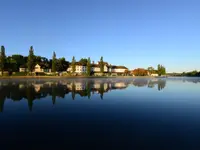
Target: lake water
<point>114,113</point>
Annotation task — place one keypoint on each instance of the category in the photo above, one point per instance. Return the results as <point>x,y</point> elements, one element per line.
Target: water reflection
<point>31,90</point>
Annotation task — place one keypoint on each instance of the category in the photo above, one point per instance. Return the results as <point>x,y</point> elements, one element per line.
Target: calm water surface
<point>135,113</point>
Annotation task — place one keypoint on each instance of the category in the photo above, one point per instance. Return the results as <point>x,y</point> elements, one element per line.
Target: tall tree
<point>101,65</point>
<point>2,59</point>
<point>150,70</point>
<point>88,66</point>
<point>161,70</point>
<point>31,58</point>
<point>73,64</point>
<point>54,62</point>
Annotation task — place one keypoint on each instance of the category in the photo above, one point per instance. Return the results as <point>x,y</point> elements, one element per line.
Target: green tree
<point>161,70</point>
<point>2,59</point>
<point>150,70</point>
<point>73,64</point>
<point>18,60</point>
<point>101,65</point>
<point>11,64</point>
<point>83,61</point>
<point>31,60</point>
<point>38,59</point>
<point>54,62</point>
<point>62,64</point>
<point>88,66</point>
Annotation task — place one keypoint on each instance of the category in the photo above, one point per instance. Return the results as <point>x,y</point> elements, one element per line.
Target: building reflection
<point>37,90</point>
<point>150,83</point>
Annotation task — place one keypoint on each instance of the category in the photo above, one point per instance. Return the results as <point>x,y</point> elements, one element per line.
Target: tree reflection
<point>30,96</point>
<point>160,83</point>
<point>73,91</point>
<point>53,94</point>
<point>32,90</point>
<point>2,100</point>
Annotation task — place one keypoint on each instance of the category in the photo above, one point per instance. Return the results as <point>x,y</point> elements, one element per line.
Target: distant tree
<point>11,64</point>
<point>140,72</point>
<point>73,64</point>
<point>2,59</point>
<point>18,60</point>
<point>126,72</point>
<point>62,64</point>
<point>31,61</point>
<point>38,59</point>
<point>54,62</point>
<point>101,63</point>
<point>88,66</point>
<point>83,61</point>
<point>161,70</point>
<point>150,70</point>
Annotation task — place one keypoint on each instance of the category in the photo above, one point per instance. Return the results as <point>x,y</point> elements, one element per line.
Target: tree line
<point>14,62</point>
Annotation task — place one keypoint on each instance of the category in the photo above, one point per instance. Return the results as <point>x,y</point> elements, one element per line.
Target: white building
<point>118,69</point>
<point>23,68</point>
<point>154,75</point>
<point>79,68</point>
<point>41,68</point>
<point>95,68</point>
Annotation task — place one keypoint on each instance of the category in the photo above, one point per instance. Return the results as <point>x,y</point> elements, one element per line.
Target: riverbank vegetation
<point>10,66</point>
<point>194,73</point>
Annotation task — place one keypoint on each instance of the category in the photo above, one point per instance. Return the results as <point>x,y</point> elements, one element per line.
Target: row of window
<point>80,69</point>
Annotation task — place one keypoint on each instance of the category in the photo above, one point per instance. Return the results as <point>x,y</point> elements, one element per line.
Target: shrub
<point>19,74</point>
<point>40,74</point>
<point>6,74</point>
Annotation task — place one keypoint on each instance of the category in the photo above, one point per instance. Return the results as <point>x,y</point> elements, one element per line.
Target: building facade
<point>96,70</point>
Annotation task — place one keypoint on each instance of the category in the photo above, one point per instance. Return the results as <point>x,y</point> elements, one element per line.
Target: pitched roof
<point>119,67</point>
<point>94,65</point>
<point>43,66</point>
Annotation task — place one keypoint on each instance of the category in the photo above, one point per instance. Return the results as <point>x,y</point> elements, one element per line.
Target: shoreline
<point>68,77</point>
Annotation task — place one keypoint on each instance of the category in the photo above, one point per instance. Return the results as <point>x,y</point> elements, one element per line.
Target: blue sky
<point>134,33</point>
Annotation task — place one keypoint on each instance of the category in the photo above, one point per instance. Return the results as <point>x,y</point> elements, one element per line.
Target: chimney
<point>92,62</point>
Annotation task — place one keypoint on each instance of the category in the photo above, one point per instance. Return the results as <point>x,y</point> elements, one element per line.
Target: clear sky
<point>134,33</point>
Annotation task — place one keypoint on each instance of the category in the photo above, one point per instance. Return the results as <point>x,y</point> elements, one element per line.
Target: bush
<point>40,74</point>
<point>19,74</point>
<point>6,74</point>
<point>51,74</point>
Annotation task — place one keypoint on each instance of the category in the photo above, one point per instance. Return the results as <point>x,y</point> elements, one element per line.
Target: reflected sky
<point>116,112</point>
